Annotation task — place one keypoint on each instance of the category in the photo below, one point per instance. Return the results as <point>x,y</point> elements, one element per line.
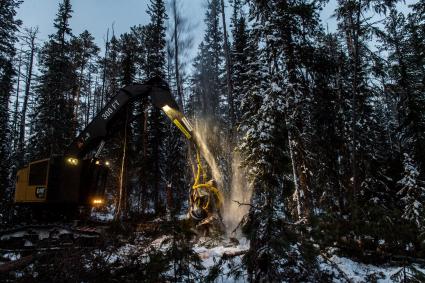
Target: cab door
<point>37,181</point>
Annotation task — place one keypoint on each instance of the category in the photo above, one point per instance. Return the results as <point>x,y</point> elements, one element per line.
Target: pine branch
<point>246,204</point>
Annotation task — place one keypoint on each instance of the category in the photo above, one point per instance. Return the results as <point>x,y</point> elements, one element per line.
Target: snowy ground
<point>211,253</point>
<point>343,269</point>
<point>347,270</point>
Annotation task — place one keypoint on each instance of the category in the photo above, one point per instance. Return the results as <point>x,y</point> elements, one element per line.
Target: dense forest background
<point>328,128</point>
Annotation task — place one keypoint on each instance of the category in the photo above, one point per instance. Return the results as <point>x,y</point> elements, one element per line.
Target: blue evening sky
<point>97,15</point>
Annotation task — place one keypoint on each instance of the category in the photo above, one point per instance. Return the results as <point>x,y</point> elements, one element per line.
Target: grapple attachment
<point>205,198</point>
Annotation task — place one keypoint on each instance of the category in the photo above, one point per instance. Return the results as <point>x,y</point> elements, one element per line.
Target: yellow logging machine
<point>78,177</point>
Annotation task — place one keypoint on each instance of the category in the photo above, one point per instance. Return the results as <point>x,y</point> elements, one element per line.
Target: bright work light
<point>97,201</point>
<point>72,161</point>
<point>166,108</point>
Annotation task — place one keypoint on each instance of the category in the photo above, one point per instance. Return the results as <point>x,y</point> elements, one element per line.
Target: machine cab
<point>59,179</point>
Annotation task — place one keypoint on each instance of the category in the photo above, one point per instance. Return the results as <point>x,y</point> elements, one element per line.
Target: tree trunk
<point>102,96</point>
<point>32,38</point>
<point>176,55</point>
<point>15,114</point>
<point>77,98</point>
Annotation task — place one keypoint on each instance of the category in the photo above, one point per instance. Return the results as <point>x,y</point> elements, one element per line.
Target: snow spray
<point>240,194</point>
<point>240,190</point>
<point>201,132</point>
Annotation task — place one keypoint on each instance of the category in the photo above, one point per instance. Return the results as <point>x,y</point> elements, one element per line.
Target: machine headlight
<point>72,161</point>
<point>97,201</point>
<point>166,108</point>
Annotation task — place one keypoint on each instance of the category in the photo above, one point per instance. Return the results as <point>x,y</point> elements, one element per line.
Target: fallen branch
<point>239,225</point>
<point>246,204</point>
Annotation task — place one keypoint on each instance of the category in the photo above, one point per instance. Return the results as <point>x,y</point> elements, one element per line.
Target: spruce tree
<point>84,54</point>
<point>273,140</point>
<point>155,39</point>
<point>9,26</point>
<point>113,69</point>
<point>127,58</point>
<point>155,65</point>
<point>327,146</point>
<point>239,56</point>
<point>54,111</point>
<point>211,60</point>
<point>403,38</point>
<point>364,126</point>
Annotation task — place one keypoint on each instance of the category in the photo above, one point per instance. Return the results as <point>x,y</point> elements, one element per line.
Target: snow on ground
<point>104,214</point>
<point>11,256</point>
<point>211,255</point>
<point>161,243</point>
<point>42,233</point>
<point>345,268</point>
<point>211,252</point>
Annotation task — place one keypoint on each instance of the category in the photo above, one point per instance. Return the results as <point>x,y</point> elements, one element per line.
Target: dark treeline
<point>330,125</point>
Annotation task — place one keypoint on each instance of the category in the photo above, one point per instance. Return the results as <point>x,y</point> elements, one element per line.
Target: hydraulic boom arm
<point>97,130</point>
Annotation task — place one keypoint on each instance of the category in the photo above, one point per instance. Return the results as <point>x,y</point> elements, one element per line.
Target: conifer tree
<point>355,30</point>
<point>155,65</point>
<point>327,144</point>
<point>272,140</point>
<point>211,60</point>
<point>9,26</point>
<point>84,53</point>
<point>55,101</point>
<point>239,56</point>
<point>113,69</point>
<point>402,38</point>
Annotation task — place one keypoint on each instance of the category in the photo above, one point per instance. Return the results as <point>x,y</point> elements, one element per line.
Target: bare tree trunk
<point>144,190</point>
<point>77,105</point>
<point>87,118</point>
<point>104,69</point>
<point>121,212</point>
<point>15,114</point>
<point>31,37</point>
<point>297,194</point>
<point>176,53</point>
<point>156,155</point>
<point>96,102</point>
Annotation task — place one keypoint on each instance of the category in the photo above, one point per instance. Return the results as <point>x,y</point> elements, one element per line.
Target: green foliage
<point>408,274</point>
<point>8,37</point>
<point>55,100</point>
